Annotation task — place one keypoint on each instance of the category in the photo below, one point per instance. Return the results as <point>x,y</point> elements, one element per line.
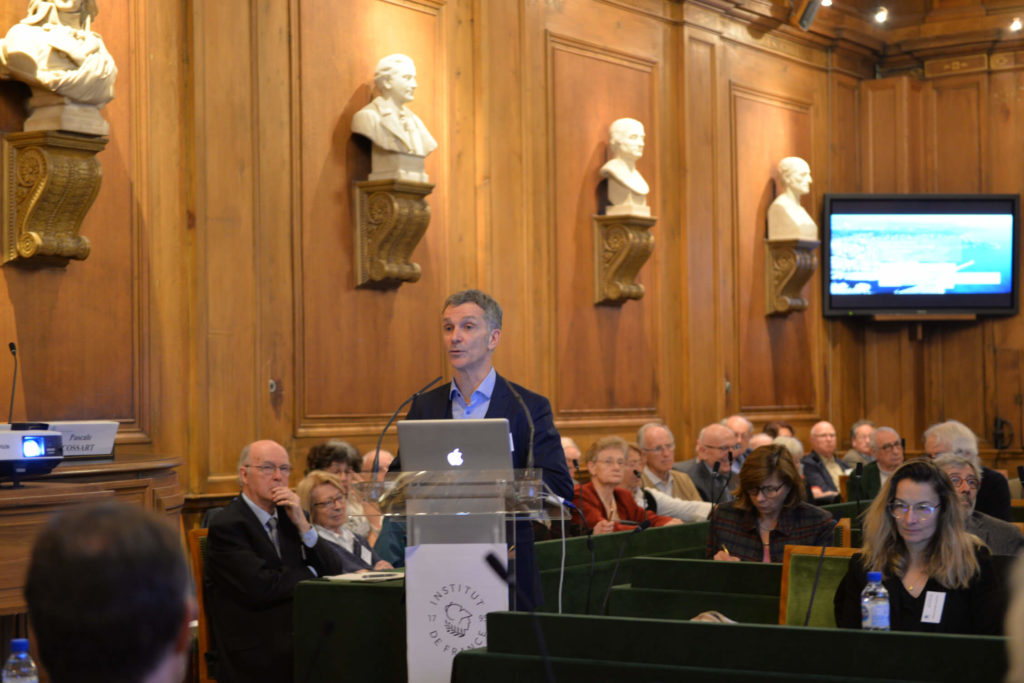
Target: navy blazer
<point>548,455</point>
<point>249,592</point>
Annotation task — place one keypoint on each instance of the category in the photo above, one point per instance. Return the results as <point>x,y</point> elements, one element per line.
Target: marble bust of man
<point>627,189</point>
<point>787,218</point>
<point>54,49</point>
<point>400,140</point>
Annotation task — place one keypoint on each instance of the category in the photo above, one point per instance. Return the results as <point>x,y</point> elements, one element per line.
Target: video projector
<point>29,452</point>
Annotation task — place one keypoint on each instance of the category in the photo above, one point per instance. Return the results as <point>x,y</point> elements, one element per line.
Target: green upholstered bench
<point>583,644</point>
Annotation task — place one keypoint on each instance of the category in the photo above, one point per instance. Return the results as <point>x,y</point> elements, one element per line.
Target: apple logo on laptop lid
<point>455,458</point>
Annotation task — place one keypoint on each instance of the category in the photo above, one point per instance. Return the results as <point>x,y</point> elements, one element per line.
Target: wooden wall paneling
<point>706,140</point>
<point>955,358</point>
<point>845,360</point>
<point>162,108</point>
<point>778,109</point>
<point>1004,124</point>
<point>605,354</point>
<point>53,310</point>
<point>603,64</point>
<point>227,278</point>
<point>893,380</point>
<point>894,134</point>
<point>361,352</point>
<point>958,108</point>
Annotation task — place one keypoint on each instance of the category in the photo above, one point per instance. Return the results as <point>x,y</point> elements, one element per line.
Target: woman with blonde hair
<point>323,497</point>
<point>939,577</point>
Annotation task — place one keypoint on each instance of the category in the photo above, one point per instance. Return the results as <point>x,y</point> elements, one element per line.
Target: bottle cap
<point>19,645</point>
<point>874,577</point>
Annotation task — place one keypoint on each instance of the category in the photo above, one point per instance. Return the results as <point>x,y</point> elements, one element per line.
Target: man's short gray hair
<point>947,460</point>
<point>878,430</point>
<point>955,436</point>
<point>643,430</point>
<point>857,425</point>
<point>490,307</point>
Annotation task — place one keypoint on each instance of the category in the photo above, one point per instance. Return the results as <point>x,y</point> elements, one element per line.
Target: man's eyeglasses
<point>768,491</point>
<point>921,510</point>
<point>661,449</point>
<point>720,449</point>
<point>891,446</point>
<point>330,502</point>
<point>971,482</point>
<point>268,468</point>
<point>613,462</point>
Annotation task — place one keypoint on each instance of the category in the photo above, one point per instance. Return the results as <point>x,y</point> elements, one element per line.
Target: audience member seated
<point>821,467</point>
<point>956,437</point>
<point>1002,538</point>
<point>939,577</point>
<point>572,457</point>
<point>769,512</point>
<point>383,463</point>
<point>715,446</point>
<point>887,456</point>
<point>109,597</point>
<point>744,430</point>
<point>605,505</point>
<point>653,499</point>
<point>336,457</point>
<point>860,442</point>
<point>322,496</point>
<point>761,439</point>
<point>795,448</point>
<point>260,546</point>
<point>659,447</point>
<point>778,428</point>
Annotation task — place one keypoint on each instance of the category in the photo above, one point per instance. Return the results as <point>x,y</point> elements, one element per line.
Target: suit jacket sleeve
<point>241,559</point>
<point>547,447</point>
<point>994,495</point>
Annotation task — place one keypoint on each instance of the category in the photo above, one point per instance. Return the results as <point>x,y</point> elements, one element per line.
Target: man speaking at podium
<point>471,326</point>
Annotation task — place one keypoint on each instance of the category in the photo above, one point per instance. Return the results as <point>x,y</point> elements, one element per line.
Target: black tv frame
<point>918,306</point>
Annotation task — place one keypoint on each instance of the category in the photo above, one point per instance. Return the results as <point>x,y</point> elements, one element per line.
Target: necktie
<point>272,530</point>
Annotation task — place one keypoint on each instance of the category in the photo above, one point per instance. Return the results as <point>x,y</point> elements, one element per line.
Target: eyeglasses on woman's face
<point>767,491</point>
<point>900,510</point>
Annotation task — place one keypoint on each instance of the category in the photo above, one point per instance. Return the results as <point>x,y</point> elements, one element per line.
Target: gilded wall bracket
<point>50,180</point>
<point>391,217</point>
<point>622,245</point>
<point>788,265</point>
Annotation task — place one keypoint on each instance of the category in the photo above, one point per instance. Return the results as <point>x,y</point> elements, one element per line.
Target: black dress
<point>977,609</point>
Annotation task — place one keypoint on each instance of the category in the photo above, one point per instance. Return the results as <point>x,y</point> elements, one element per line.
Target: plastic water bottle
<point>19,667</point>
<point>874,604</point>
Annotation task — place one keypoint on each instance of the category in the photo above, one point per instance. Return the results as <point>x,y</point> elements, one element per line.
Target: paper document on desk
<point>366,577</point>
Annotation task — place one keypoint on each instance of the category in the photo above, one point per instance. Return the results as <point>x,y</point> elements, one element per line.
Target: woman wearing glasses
<point>605,504</point>
<point>769,512</point>
<point>322,495</point>
<point>939,577</point>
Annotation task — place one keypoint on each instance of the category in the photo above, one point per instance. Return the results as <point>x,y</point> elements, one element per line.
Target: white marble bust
<point>627,189</point>
<point>54,49</point>
<point>400,140</point>
<point>787,218</point>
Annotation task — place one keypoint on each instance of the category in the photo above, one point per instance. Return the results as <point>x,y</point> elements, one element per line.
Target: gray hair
<point>959,460</point>
<point>874,436</point>
<point>857,425</point>
<point>955,436</point>
<point>791,444</point>
<point>643,430</point>
<point>490,307</point>
<point>749,429</point>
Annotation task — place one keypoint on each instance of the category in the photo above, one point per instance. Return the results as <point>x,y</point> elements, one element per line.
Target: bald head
<point>823,439</point>
<point>715,444</point>
<point>743,428</point>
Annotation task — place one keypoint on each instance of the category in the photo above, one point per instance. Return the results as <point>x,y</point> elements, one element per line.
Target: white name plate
<point>86,437</point>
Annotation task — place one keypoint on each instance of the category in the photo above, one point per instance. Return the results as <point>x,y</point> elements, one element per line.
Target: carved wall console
<point>50,179</point>
<point>788,265</point>
<point>391,217</point>
<point>622,245</point>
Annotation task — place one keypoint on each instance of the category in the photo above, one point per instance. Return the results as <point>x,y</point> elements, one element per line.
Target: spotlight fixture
<point>826,3</point>
<point>1015,25</point>
<point>881,15</point>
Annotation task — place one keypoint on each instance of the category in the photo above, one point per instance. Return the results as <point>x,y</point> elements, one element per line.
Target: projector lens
<point>32,446</point>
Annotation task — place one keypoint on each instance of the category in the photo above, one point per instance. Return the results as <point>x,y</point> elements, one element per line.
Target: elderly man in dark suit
<point>715,445</point>
<point>964,470</point>
<point>471,327</point>
<point>260,546</point>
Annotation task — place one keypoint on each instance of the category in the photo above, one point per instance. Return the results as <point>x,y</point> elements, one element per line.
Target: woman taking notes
<point>939,577</point>
<point>769,512</point>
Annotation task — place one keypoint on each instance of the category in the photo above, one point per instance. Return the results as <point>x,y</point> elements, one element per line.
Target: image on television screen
<point>921,254</point>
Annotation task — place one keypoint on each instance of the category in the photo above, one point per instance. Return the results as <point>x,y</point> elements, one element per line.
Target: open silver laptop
<point>436,445</point>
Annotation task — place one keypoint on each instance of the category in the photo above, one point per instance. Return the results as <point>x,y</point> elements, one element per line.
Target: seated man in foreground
<point>260,546</point>
<point>109,597</point>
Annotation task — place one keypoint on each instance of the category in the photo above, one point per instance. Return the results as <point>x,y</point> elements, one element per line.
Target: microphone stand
<point>380,439</point>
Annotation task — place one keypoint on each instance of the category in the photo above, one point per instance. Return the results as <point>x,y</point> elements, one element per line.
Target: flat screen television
<point>920,255</point>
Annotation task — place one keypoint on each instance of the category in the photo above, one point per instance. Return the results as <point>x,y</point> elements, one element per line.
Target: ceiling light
<point>1015,25</point>
<point>826,3</point>
<point>881,15</point>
